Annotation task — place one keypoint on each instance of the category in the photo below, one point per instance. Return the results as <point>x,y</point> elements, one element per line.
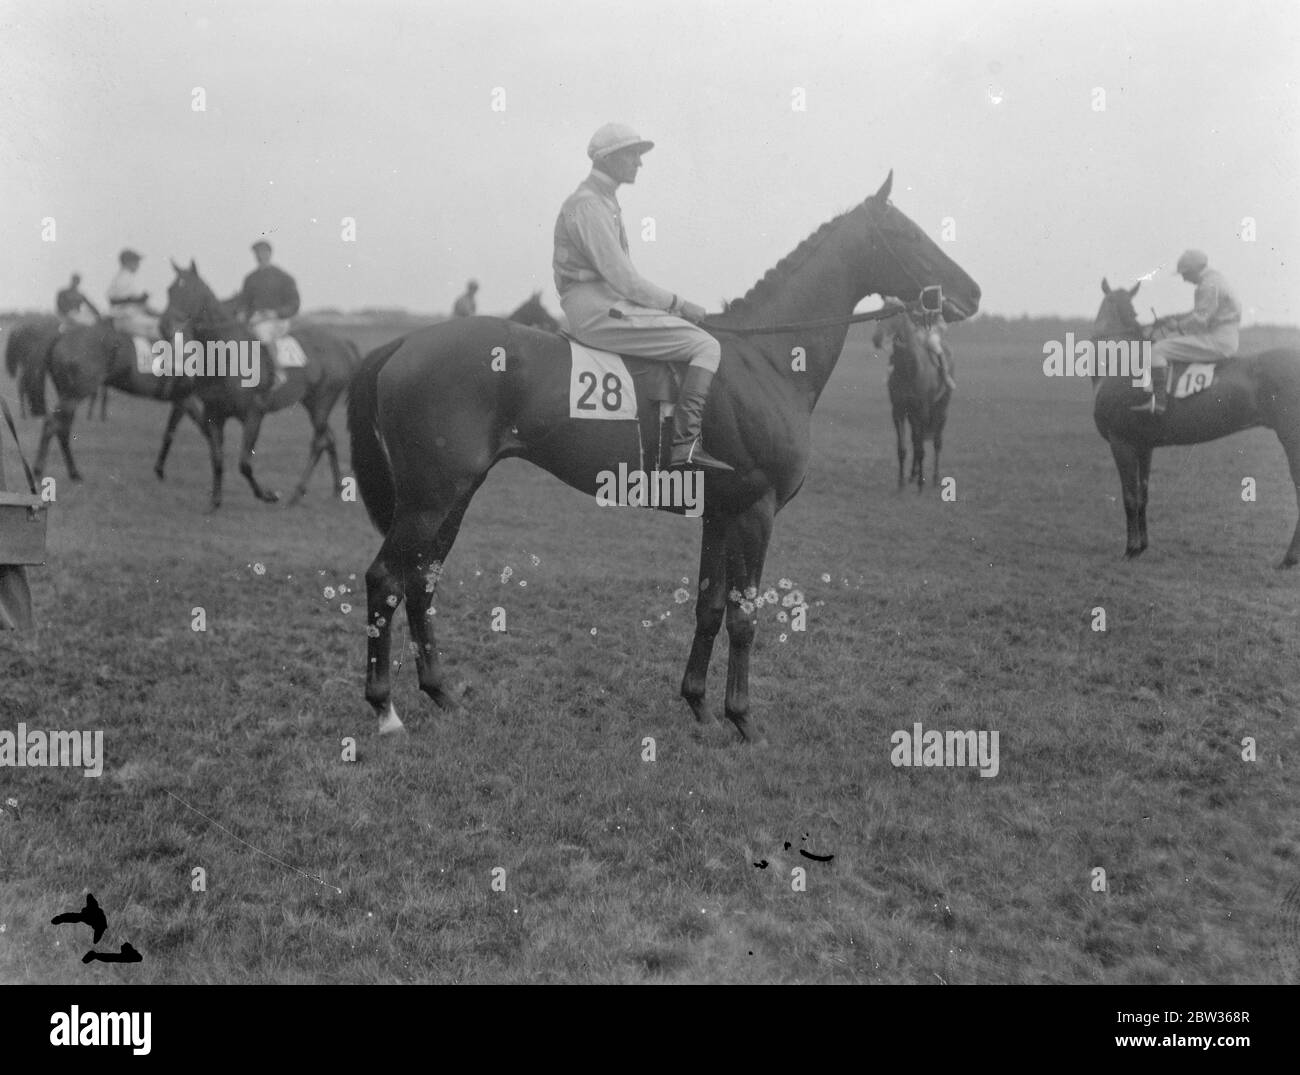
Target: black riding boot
<point>1160,384</point>
<point>688,446</point>
<point>1159,392</point>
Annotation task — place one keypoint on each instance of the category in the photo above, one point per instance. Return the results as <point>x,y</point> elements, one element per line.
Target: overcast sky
<point>383,112</point>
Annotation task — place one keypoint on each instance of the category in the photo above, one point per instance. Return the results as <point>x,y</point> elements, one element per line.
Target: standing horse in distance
<point>532,312</point>
<point>918,396</point>
<point>429,416</point>
<point>195,311</point>
<point>1247,391</point>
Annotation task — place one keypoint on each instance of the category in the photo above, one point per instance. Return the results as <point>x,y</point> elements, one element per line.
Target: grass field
<point>1119,749</point>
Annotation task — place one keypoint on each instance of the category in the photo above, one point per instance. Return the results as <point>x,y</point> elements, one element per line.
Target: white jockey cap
<point>615,136</point>
<point>1192,261</point>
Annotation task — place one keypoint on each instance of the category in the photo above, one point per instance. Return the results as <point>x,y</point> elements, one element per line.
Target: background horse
<point>26,352</point>
<point>1256,390</point>
<point>195,312</point>
<point>918,396</point>
<point>532,312</point>
<point>82,361</point>
<point>429,416</point>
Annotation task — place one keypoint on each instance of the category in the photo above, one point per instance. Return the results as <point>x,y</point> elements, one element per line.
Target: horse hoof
<point>158,471</point>
<point>270,497</point>
<point>390,724</point>
<point>74,477</point>
<point>1289,561</point>
<point>298,494</point>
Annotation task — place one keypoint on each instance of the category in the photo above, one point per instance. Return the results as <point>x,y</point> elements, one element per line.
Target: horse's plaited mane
<point>787,265</point>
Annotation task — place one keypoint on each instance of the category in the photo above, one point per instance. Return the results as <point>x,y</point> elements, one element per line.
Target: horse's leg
<point>43,448</point>
<point>1292,448</point>
<point>64,413</point>
<point>383,594</point>
<point>900,436</point>
<point>918,453</point>
<point>332,450</point>
<point>173,420</point>
<point>1144,453</point>
<point>710,607</point>
<point>747,536</point>
<point>408,565</point>
<point>252,421</point>
<point>103,403</point>
<point>431,536</point>
<point>938,445</point>
<point>321,439</point>
<point>216,450</point>
<point>1126,461</point>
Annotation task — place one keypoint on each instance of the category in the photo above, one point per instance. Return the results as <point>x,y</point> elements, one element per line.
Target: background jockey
<point>465,305</point>
<point>593,272</point>
<point>268,299</point>
<point>928,327</point>
<point>73,307</point>
<point>128,301</point>
<point>1208,333</point>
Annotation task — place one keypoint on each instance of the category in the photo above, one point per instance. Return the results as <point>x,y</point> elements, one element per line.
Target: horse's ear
<point>193,267</point>
<point>1105,286</point>
<point>178,269</point>
<point>1134,289</point>
<point>883,193</point>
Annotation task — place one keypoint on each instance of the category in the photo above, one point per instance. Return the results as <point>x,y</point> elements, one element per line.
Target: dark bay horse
<point>429,416</point>
<point>1249,391</point>
<point>918,396</point>
<point>195,311</point>
<point>532,312</point>
<point>81,362</point>
<point>27,351</point>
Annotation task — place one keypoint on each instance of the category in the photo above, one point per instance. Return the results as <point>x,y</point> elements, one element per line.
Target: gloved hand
<point>691,312</point>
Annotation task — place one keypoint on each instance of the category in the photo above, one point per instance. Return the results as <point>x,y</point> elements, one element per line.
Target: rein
<point>795,326</point>
<point>933,292</point>
<point>883,314</point>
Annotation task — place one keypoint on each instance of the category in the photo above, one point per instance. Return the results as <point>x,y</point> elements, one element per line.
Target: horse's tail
<point>13,351</point>
<point>369,457</point>
<point>27,357</point>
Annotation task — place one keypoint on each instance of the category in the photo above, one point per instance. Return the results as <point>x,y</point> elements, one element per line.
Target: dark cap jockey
<point>465,305</point>
<point>594,274</point>
<point>268,299</point>
<point>73,307</point>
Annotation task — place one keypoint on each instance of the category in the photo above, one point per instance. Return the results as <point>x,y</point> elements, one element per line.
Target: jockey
<point>594,273</point>
<point>465,305</point>
<point>1208,333</point>
<point>128,302</point>
<point>931,330</point>
<point>268,299</point>
<point>73,307</point>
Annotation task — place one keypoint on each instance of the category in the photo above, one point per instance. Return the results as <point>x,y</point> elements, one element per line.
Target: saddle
<point>1187,378</point>
<point>612,387</point>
